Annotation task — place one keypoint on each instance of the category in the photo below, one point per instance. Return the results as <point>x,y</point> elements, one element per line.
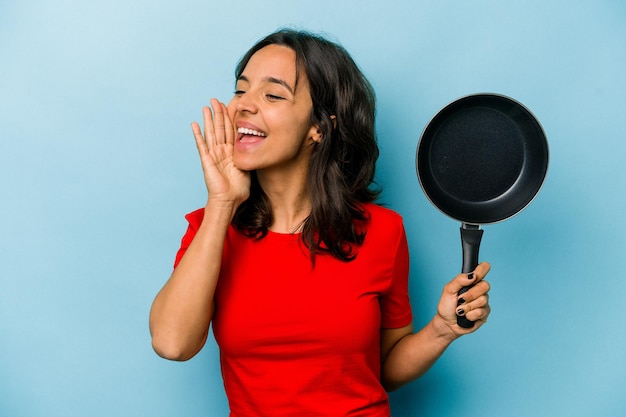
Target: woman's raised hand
<point>225,182</point>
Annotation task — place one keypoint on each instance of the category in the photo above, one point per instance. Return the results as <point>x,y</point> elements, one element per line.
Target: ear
<point>317,135</point>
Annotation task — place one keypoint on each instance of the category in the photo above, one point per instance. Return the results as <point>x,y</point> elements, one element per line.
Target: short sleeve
<point>395,305</point>
<point>194,220</point>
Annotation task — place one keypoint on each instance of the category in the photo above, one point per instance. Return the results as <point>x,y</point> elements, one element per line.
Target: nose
<point>245,102</point>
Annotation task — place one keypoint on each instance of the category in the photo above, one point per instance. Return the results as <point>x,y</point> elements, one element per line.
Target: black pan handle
<point>471,235</point>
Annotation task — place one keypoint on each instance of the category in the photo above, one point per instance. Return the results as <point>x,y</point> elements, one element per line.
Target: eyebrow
<point>273,80</point>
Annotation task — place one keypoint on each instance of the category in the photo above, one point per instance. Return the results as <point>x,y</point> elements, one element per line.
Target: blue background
<point>98,167</point>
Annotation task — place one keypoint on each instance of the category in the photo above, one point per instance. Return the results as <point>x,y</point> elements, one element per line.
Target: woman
<point>302,276</point>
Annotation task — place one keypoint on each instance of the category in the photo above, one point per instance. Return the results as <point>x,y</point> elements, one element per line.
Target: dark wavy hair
<point>342,165</point>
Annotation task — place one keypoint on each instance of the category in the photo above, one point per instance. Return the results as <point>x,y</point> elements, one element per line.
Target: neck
<point>290,201</point>
<point>289,219</point>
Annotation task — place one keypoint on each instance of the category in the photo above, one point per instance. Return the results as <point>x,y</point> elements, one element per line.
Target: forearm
<point>182,311</point>
<point>415,354</point>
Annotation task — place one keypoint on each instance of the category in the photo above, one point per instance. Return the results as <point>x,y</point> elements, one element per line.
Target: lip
<point>248,125</point>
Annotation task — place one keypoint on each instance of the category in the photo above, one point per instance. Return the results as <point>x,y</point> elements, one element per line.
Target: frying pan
<point>480,160</point>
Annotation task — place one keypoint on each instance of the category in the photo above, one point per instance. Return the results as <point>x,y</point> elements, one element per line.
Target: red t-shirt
<point>301,341</point>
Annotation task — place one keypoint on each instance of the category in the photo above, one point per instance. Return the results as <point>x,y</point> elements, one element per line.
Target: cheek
<point>231,107</point>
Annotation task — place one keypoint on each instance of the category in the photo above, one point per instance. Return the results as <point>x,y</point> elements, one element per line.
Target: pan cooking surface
<point>478,155</point>
<point>482,158</point>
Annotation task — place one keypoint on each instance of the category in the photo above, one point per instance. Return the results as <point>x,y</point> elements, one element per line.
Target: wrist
<point>220,210</point>
<point>441,330</point>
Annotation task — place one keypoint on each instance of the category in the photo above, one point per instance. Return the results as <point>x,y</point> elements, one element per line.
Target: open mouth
<point>247,135</point>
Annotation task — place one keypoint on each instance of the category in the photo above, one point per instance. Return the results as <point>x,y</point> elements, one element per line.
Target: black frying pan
<point>480,160</point>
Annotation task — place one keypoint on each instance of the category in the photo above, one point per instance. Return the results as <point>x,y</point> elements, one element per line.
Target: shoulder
<point>383,222</point>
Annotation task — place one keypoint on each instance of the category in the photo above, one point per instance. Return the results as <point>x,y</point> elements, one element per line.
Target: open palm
<point>225,182</point>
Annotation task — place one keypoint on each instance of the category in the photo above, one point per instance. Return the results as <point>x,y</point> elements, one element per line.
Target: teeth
<point>247,131</point>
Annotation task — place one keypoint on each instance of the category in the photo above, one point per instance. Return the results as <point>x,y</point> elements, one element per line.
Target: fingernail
<point>460,312</point>
<point>460,301</point>
<point>470,276</point>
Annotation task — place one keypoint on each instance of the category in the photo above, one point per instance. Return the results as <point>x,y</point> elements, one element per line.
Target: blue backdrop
<point>98,167</point>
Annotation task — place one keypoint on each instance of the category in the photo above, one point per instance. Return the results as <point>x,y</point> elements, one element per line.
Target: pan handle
<point>471,234</point>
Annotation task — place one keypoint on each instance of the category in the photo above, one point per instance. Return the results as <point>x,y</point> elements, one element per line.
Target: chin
<point>244,164</point>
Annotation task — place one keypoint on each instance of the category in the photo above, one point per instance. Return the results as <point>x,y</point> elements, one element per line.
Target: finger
<point>197,134</point>
<point>481,288</point>
<point>218,121</point>
<point>466,305</point>
<point>228,126</point>
<point>482,270</point>
<point>469,279</point>
<point>209,130</point>
<point>479,314</point>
